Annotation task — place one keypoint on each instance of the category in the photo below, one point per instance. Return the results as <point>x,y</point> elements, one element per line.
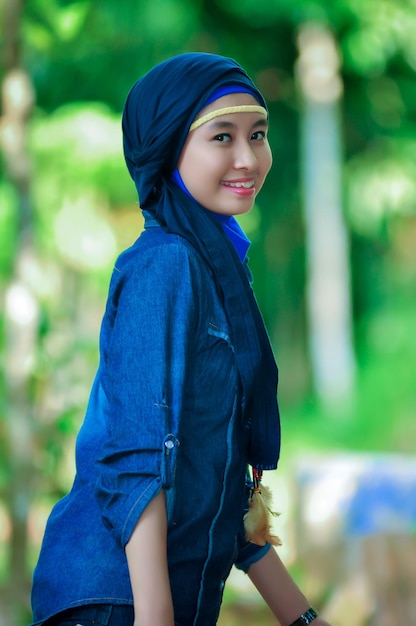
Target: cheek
<point>188,164</point>
<point>265,163</point>
<point>268,160</point>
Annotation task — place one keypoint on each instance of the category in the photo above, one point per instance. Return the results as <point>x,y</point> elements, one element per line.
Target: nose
<point>245,157</point>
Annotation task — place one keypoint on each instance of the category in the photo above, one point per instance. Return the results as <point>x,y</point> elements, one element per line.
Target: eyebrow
<point>223,124</point>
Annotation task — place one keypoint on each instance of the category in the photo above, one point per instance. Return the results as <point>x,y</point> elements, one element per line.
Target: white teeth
<point>247,185</point>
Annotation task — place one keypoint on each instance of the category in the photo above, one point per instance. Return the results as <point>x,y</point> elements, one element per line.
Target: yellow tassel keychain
<point>257,521</point>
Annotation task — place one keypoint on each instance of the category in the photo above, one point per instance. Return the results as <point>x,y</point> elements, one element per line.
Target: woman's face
<point>225,161</point>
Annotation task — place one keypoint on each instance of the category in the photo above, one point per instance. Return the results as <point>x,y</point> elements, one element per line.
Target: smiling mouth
<point>246,185</point>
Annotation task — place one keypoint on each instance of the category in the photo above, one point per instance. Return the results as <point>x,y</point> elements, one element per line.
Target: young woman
<point>185,395</point>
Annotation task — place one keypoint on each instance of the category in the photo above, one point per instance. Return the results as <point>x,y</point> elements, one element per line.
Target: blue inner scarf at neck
<point>157,115</point>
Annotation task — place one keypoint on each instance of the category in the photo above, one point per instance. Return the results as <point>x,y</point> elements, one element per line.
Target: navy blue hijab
<point>157,115</point>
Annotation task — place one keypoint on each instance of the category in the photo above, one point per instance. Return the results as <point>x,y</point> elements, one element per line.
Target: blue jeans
<point>94,614</point>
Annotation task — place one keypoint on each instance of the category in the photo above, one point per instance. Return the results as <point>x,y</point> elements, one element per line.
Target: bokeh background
<point>333,258</point>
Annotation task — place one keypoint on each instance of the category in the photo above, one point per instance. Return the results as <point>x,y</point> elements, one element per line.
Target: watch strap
<point>305,618</point>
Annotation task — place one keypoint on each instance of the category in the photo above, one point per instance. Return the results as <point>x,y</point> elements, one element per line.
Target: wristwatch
<point>306,618</point>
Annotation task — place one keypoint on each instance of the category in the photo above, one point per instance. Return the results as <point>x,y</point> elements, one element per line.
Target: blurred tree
<point>328,276</point>
<point>21,311</point>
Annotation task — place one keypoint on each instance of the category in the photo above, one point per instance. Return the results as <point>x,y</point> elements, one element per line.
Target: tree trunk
<point>328,290</point>
<point>20,316</point>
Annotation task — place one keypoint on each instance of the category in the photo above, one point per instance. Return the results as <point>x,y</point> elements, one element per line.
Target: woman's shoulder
<point>155,248</point>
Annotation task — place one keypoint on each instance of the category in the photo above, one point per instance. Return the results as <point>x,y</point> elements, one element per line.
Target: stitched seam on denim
<point>221,506</point>
<point>135,505</point>
<point>100,600</point>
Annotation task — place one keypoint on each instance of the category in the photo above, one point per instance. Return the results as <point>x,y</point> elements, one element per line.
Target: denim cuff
<point>251,553</point>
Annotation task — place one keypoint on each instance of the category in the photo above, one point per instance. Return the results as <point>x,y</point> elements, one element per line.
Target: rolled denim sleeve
<point>148,336</point>
<point>248,553</point>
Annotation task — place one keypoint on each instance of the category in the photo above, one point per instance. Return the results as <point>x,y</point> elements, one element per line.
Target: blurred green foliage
<point>83,56</point>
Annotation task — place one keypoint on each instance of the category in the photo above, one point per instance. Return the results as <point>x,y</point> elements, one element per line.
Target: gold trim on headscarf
<point>242,108</point>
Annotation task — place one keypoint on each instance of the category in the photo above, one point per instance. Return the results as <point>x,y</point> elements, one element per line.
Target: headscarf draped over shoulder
<point>158,113</point>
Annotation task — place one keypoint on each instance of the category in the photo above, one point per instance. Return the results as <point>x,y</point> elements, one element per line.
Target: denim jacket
<point>164,413</point>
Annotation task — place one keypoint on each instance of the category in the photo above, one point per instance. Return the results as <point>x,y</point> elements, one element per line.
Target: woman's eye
<point>223,137</point>
<point>258,135</point>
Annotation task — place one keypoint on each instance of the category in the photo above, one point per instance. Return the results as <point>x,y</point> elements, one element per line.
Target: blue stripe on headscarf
<point>226,90</point>
<point>157,115</point>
